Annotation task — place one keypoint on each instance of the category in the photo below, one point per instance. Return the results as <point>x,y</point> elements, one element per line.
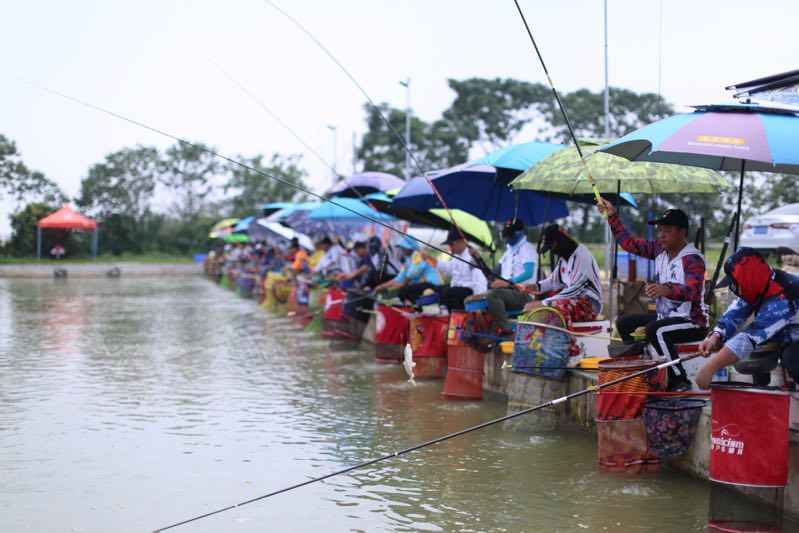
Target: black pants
<point>663,334</point>
<point>453,297</point>
<point>411,293</point>
<point>790,360</point>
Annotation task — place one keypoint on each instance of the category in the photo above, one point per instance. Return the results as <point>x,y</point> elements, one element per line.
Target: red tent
<point>65,218</point>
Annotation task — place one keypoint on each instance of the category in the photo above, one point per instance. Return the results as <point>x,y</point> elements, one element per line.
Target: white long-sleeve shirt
<point>335,259</point>
<point>515,257</point>
<point>464,275</point>
<point>576,276</point>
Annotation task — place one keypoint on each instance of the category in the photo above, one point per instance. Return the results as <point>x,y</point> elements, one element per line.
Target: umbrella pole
<point>740,200</point>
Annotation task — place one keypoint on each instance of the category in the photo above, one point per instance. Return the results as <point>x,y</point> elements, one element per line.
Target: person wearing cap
<point>359,282</point>
<point>417,274</point>
<point>518,267</point>
<point>679,292</point>
<point>465,278</point>
<point>574,280</point>
<point>766,295</point>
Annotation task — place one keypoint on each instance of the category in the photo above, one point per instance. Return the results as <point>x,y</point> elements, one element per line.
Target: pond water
<point>131,404</point>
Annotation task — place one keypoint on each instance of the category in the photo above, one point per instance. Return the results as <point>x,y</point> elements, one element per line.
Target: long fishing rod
<point>382,116</point>
<point>431,442</point>
<point>560,103</point>
<point>252,169</point>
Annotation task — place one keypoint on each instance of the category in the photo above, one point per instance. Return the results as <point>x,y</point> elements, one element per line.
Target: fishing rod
<point>560,104</point>
<point>437,440</point>
<point>388,124</point>
<point>260,172</point>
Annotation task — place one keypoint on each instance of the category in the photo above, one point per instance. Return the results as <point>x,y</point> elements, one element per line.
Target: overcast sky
<point>161,62</point>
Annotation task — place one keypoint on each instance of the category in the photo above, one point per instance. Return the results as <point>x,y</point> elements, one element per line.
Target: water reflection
<point>129,404</point>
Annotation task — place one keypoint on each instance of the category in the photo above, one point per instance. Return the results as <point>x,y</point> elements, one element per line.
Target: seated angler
<point>574,280</point>
<point>416,275</point>
<point>518,266</point>
<point>679,292</point>
<point>334,261</point>
<point>360,282</point>
<point>771,299</point>
<point>465,278</point>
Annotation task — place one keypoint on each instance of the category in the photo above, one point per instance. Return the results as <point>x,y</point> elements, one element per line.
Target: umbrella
<point>344,228</point>
<point>222,228</point>
<point>236,238</point>
<point>364,183</point>
<point>243,224</point>
<point>563,172</point>
<point>478,190</point>
<point>269,208</point>
<point>736,137</point>
<point>281,214</point>
<point>263,228</point>
<point>347,209</point>
<point>518,157</point>
<point>474,229</point>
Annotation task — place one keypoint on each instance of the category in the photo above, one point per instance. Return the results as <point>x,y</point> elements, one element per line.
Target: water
<point>130,404</point>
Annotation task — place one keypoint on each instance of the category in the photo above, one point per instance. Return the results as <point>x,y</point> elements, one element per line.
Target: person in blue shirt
<point>416,275</point>
<point>770,298</point>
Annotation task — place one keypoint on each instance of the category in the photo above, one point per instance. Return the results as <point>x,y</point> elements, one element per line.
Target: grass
<point>150,258</point>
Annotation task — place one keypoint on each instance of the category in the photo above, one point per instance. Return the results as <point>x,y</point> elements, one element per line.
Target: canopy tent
<point>65,218</point>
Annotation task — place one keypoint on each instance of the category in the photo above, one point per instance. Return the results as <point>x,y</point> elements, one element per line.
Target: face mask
<point>515,238</point>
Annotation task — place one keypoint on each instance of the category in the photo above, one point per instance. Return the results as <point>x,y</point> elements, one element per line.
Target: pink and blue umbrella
<point>476,189</point>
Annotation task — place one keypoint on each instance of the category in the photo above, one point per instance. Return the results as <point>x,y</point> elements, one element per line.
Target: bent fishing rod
<point>385,120</point>
<point>263,173</point>
<point>437,440</point>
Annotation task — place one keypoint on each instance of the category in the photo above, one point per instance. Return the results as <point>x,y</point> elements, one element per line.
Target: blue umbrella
<point>243,224</point>
<point>477,190</point>
<point>519,156</point>
<point>347,209</point>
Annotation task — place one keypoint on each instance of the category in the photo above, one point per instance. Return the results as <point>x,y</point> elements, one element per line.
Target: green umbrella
<point>563,172</point>
<point>236,237</point>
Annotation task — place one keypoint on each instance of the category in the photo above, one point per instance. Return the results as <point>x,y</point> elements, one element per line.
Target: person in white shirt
<point>518,268</point>
<point>335,259</point>
<point>573,287</point>
<point>464,278</point>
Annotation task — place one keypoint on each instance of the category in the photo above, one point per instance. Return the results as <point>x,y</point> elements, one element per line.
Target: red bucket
<point>631,404</point>
<point>749,440</point>
<point>391,325</point>
<point>428,335</point>
<point>464,379</point>
<point>334,304</point>
<point>457,320</point>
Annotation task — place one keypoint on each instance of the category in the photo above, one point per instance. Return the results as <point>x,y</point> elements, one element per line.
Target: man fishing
<point>679,292</point>
<point>335,259</point>
<point>574,280</point>
<point>417,273</point>
<point>359,282</point>
<point>464,278</point>
<point>771,298</point>
<point>519,265</point>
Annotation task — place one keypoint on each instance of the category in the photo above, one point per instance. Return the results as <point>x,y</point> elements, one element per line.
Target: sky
<point>175,65</point>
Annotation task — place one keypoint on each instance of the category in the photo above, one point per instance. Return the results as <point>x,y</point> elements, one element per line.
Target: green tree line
<point>151,200</point>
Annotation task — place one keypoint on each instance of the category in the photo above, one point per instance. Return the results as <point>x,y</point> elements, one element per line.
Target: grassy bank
<point>154,258</point>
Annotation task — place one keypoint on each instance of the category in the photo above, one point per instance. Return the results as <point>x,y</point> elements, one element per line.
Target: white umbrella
<point>282,232</point>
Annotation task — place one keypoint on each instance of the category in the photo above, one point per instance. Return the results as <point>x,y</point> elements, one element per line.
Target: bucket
<point>391,333</point>
<point>428,336</point>
<point>464,379</point>
<point>671,425</point>
<point>749,439</point>
<point>622,447</point>
<point>625,406</point>
<point>457,320</point>
<point>334,304</point>
<point>540,351</point>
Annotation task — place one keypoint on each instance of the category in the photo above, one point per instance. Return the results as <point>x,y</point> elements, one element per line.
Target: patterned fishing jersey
<point>684,275</point>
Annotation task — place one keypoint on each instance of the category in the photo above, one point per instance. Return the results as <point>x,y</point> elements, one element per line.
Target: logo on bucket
<point>380,321</point>
<point>727,439</point>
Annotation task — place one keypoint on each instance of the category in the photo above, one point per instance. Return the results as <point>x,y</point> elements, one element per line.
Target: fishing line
<point>385,120</point>
<point>560,104</point>
<point>251,169</point>
<point>437,440</point>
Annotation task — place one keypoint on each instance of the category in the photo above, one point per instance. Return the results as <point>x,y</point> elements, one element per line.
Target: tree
<point>253,185</point>
<point>188,169</point>
<point>123,184</point>
<point>433,145</point>
<point>22,183</point>
<point>23,233</point>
